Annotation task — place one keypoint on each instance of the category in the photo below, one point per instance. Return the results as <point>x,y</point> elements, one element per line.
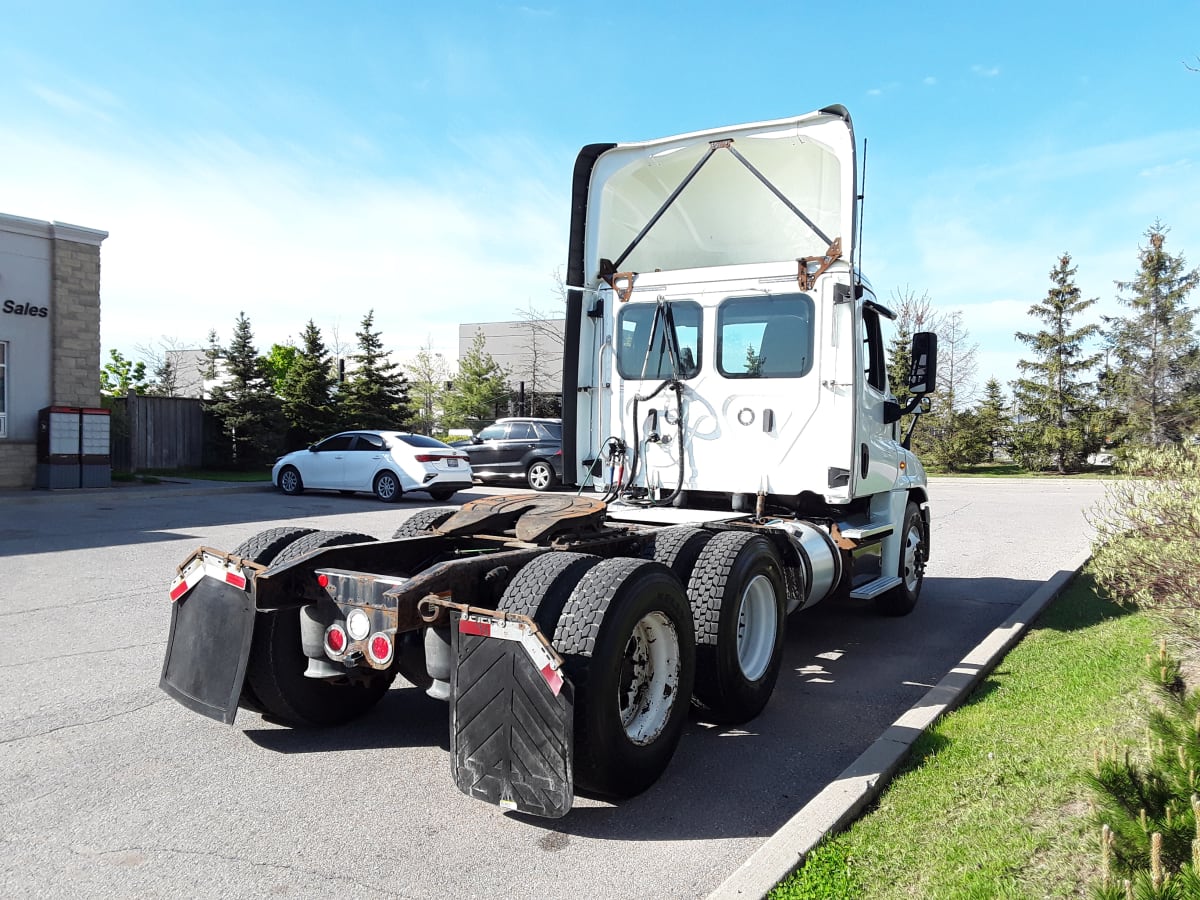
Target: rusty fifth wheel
<point>627,644</point>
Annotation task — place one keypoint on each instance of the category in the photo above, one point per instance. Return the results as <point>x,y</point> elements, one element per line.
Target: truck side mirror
<point>922,378</point>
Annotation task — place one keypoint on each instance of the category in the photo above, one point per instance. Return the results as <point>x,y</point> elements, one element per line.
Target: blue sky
<point>308,160</point>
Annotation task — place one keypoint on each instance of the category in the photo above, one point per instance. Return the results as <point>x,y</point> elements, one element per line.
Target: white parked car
<point>387,463</point>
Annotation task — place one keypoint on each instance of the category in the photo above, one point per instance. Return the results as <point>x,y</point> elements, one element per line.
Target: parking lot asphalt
<point>834,806</point>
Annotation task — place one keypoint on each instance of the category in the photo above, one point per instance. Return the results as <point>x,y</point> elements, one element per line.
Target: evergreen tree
<point>249,413</point>
<point>209,367</point>
<point>375,394</point>
<point>307,390</point>
<point>1054,400</point>
<point>481,384</point>
<point>1157,364</point>
<point>991,417</point>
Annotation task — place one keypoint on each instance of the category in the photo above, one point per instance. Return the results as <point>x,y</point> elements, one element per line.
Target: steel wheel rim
<point>649,679</point>
<point>386,487</point>
<point>912,544</point>
<point>539,476</point>
<point>757,627</point>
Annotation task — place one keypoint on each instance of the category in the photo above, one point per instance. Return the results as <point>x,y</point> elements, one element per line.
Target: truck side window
<point>765,337</point>
<point>634,325</point>
<point>874,364</point>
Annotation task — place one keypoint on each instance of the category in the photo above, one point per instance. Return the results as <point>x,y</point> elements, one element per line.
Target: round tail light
<point>335,639</point>
<point>379,648</point>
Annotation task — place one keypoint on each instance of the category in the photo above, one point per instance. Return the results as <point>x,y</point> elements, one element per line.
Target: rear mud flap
<point>511,720</point>
<point>211,630</point>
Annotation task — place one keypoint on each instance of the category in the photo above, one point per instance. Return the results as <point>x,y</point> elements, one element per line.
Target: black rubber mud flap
<point>211,629</point>
<point>511,720</point>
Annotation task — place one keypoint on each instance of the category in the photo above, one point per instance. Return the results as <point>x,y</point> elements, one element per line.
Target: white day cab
<point>736,456</point>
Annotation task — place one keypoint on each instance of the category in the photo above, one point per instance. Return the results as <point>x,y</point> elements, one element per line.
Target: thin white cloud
<point>985,71</point>
<point>929,81</point>
<point>204,230</point>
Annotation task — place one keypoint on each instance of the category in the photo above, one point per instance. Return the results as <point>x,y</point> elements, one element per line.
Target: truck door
<point>875,439</point>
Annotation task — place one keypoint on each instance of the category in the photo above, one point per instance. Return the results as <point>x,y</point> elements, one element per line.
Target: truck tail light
<point>379,648</point>
<point>335,639</point>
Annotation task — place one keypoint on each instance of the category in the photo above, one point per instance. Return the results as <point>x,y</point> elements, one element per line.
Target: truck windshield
<point>636,359</point>
<point>765,337</point>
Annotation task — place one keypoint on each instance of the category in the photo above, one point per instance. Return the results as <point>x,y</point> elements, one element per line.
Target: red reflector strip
<point>474,626</point>
<point>516,631</point>
<point>236,579</point>
<point>553,679</point>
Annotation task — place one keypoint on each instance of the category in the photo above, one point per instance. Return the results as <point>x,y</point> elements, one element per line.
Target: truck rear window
<point>765,337</point>
<point>637,358</point>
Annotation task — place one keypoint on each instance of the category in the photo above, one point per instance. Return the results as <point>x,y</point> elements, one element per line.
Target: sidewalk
<point>163,486</point>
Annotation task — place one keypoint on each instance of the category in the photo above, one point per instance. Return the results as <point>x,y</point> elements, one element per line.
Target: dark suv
<point>529,449</point>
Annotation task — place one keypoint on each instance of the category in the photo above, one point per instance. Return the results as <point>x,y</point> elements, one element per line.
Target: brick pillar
<point>75,311</point>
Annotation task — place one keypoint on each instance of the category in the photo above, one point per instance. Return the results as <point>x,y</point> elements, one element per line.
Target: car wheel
<point>387,487</point>
<point>441,495</point>
<point>290,481</point>
<point>540,475</point>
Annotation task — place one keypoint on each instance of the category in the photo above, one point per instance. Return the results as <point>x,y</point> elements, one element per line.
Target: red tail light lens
<point>427,457</point>
<point>379,648</point>
<point>335,640</point>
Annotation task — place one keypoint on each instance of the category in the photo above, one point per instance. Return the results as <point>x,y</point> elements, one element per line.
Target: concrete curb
<point>865,779</point>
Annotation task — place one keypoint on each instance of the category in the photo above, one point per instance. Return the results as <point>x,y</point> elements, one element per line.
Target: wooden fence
<point>157,433</point>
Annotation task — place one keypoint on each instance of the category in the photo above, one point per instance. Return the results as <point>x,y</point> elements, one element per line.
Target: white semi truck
<point>736,457</point>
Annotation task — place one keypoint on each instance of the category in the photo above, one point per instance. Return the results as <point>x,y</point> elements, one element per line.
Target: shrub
<point>1148,810</point>
<point>1148,533</point>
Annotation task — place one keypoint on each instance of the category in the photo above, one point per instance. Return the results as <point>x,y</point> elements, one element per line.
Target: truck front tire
<point>738,603</point>
<point>628,647</point>
<point>902,599</point>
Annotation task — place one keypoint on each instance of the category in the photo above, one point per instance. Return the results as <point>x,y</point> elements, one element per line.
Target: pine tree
<point>307,390</point>
<point>481,384</point>
<point>991,417</point>
<point>249,413</point>
<point>375,394</point>
<point>1054,400</point>
<point>1157,363</point>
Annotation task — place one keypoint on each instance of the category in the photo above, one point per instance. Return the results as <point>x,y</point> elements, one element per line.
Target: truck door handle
<point>768,420</point>
<point>864,460</point>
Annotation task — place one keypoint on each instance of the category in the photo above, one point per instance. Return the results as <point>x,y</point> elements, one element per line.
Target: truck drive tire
<point>738,605</point>
<point>423,521</point>
<point>275,671</point>
<point>262,549</point>
<point>627,645</point>
<point>542,587</point>
<point>901,600</point>
<point>678,548</point>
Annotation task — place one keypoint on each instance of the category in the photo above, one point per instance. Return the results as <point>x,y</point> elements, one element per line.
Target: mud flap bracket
<point>511,715</point>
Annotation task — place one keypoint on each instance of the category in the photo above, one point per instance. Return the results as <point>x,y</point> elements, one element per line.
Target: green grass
<point>1012,470</point>
<point>154,475</point>
<point>990,803</point>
